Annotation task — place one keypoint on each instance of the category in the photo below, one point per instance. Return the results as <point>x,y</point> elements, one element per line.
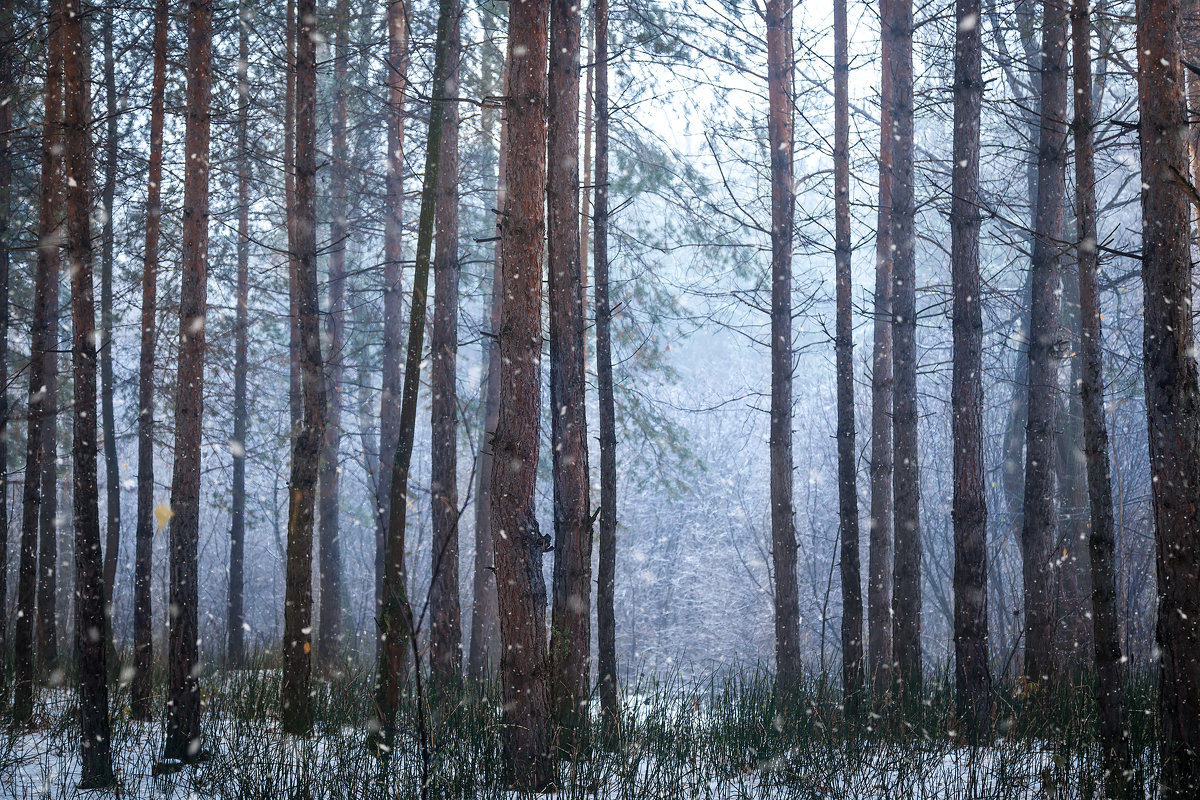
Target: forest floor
<point>714,738</point>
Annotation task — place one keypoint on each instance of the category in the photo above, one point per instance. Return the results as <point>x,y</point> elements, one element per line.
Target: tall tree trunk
<point>1110,696</point>
<point>606,622</point>
<point>1072,578</point>
<point>879,567</point>
<point>48,566</point>
<point>972,681</point>
<point>517,542</point>
<point>484,655</point>
<point>1037,533</point>
<point>91,639</point>
<point>112,471</point>
<point>393,296</point>
<point>589,124</point>
<point>330,636</point>
<point>1172,395</point>
<point>8,97</point>
<point>396,622</point>
<point>295,390</point>
<point>235,608</point>
<point>445,615</point>
<point>780,73</point>
<point>906,483</point>
<point>852,621</point>
<point>570,623</point>
<point>143,620</point>
<point>183,740</point>
<point>306,445</point>
<point>41,359</point>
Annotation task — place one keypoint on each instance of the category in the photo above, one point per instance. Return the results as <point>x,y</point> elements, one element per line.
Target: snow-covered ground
<point>252,758</point>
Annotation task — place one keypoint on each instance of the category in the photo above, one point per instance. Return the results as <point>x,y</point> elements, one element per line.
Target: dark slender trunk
<point>780,69</point>
<point>1072,577</point>
<point>906,483</point>
<point>393,296</point>
<point>972,681</point>
<point>39,404</point>
<point>112,470</point>
<point>91,640</point>
<point>8,97</point>
<point>445,614</point>
<point>396,621</point>
<point>183,740</point>
<point>879,568</point>
<point>570,617</point>
<point>517,542</point>
<point>1101,542</point>
<point>1037,532</point>
<point>329,636</point>
<point>143,620</point>
<point>606,623</point>
<point>295,696</point>
<point>484,656</point>
<point>1172,395</point>
<point>48,563</point>
<point>235,609</point>
<point>852,621</point>
<point>295,390</point>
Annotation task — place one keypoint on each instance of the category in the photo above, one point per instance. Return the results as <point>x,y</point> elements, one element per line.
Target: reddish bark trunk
<point>570,625</point>
<point>518,544</point>
<point>780,74</point>
<point>91,623</point>
<point>183,740</point>
<point>1172,395</point>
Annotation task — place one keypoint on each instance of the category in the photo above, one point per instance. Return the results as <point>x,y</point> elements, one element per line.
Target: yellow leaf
<point>307,648</point>
<point>162,515</point>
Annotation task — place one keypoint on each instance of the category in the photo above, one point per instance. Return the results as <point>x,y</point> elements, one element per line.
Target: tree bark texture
<point>484,657</point>
<point>91,619</point>
<point>396,621</point>
<point>42,360</point>
<point>183,740</point>
<point>570,624</point>
<point>852,616</point>
<point>906,484</point>
<point>606,622</point>
<point>972,681</point>
<point>112,470</point>
<point>780,119</point>
<point>306,445</point>
<point>393,295</point>
<point>1172,395</point>
<point>445,614</point>
<point>517,541</point>
<point>1038,527</point>
<point>879,567</point>
<point>143,618</point>
<point>1110,697</point>
<point>329,635</point>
